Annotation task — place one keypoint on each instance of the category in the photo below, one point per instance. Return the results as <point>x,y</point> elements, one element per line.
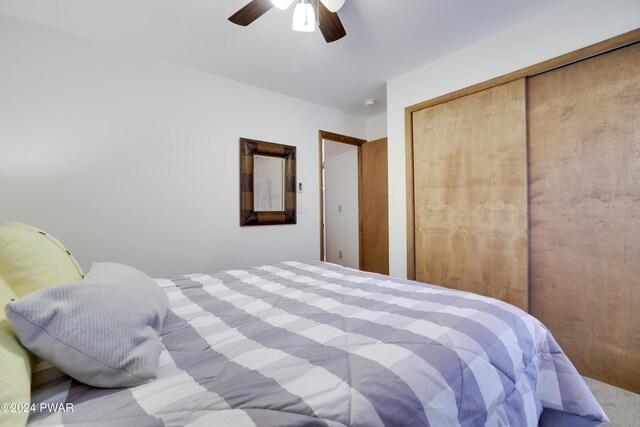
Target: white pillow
<point>103,331</point>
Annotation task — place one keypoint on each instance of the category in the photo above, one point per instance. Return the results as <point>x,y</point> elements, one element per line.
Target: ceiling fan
<point>303,17</point>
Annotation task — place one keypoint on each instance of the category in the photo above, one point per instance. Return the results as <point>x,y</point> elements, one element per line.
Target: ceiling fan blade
<point>251,12</point>
<point>330,25</point>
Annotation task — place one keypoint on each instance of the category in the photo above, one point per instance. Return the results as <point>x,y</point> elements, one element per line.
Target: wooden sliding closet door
<point>470,186</point>
<point>584,160</point>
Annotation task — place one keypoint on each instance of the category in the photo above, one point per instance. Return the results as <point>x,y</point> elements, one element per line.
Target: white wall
<point>129,159</point>
<point>341,203</point>
<point>377,127</point>
<point>565,28</point>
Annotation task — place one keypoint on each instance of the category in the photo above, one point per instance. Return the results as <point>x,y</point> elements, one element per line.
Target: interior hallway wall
<point>341,203</point>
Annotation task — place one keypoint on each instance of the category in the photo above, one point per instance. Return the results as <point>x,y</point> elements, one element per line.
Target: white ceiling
<point>384,39</point>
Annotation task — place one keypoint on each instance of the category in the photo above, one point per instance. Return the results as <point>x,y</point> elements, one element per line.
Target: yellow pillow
<point>31,259</point>
<point>15,367</point>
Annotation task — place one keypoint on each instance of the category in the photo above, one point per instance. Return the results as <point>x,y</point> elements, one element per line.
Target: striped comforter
<point>316,344</point>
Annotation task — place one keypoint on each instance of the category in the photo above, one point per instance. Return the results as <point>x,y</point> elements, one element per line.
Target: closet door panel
<point>584,160</point>
<point>470,193</point>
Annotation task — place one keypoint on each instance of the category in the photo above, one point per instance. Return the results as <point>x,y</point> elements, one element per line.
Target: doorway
<point>354,229</point>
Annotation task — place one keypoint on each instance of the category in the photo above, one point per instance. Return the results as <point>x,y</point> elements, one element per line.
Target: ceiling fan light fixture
<point>282,4</point>
<point>304,17</point>
<point>333,5</point>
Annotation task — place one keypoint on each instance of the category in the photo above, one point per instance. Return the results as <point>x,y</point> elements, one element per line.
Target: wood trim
<point>566,59</point>
<point>320,138</point>
<point>411,215</point>
<point>616,42</point>
<point>360,204</point>
<point>336,137</point>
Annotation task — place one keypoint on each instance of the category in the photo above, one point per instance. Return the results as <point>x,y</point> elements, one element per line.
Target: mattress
<point>316,344</point>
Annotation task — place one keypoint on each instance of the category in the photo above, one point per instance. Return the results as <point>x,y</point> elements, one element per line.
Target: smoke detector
<point>369,102</point>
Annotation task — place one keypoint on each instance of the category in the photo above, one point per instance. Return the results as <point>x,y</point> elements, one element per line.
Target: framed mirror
<point>267,183</point>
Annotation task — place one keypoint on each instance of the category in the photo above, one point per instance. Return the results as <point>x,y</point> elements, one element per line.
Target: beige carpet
<point>621,406</point>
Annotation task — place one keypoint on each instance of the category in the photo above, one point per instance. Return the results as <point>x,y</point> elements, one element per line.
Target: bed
<point>316,344</point>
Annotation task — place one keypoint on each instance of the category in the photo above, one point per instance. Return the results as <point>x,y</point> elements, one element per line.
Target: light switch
<point>299,187</point>
<point>340,254</point>
<point>339,208</point>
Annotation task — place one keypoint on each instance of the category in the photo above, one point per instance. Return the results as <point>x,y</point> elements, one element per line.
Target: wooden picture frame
<point>249,149</point>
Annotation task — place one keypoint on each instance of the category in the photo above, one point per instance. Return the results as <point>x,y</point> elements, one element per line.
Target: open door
<point>375,207</point>
<point>354,227</point>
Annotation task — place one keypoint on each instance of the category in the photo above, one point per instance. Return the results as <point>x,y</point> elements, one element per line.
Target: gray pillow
<point>102,331</point>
